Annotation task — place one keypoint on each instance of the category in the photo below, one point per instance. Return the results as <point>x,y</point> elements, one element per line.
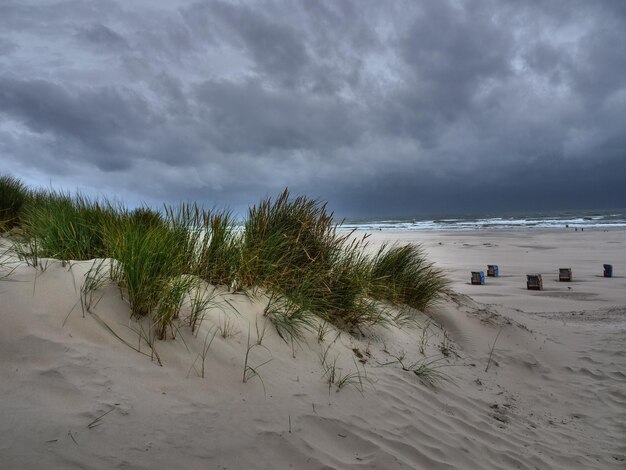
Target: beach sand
<point>74,395</point>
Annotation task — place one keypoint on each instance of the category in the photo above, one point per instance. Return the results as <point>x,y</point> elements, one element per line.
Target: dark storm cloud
<point>102,121</point>
<point>6,46</point>
<point>450,53</point>
<point>381,107</point>
<point>277,49</point>
<point>101,36</point>
<point>248,118</point>
<point>548,184</point>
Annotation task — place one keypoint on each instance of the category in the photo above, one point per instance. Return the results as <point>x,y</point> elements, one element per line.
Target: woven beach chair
<point>478,277</point>
<point>534,282</point>
<point>565,274</point>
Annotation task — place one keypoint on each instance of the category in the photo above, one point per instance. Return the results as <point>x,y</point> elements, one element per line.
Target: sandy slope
<point>554,395</point>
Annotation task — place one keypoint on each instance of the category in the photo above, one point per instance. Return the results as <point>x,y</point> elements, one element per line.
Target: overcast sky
<point>379,107</point>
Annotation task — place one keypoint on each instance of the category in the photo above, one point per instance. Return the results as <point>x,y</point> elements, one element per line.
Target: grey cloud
<point>169,89</point>
<point>546,184</point>
<point>602,63</point>
<point>52,17</point>
<point>449,45</point>
<point>369,104</point>
<point>6,46</point>
<point>274,47</point>
<point>102,36</point>
<point>309,46</point>
<point>250,118</point>
<point>451,52</point>
<point>100,120</point>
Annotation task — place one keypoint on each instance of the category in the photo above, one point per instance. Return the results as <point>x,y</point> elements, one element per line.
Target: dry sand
<point>554,396</point>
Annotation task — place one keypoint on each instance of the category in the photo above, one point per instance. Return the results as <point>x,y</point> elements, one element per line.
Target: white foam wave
<point>596,221</point>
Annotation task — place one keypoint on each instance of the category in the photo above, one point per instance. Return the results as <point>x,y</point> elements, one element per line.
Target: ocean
<point>575,219</point>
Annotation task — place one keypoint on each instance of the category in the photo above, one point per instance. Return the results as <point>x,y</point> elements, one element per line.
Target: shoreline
<point>492,231</point>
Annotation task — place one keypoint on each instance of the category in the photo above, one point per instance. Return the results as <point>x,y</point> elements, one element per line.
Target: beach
<point>493,376</point>
<point>259,235</point>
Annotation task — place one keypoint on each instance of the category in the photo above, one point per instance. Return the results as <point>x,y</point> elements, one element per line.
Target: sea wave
<point>608,220</point>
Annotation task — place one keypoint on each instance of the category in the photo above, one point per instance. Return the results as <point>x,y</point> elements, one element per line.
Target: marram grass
<point>289,248</point>
<point>68,227</point>
<point>402,275</point>
<point>13,196</point>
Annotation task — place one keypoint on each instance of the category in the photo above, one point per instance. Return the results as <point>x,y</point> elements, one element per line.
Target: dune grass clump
<point>151,264</point>
<point>161,260</point>
<point>284,237</point>
<point>401,275</point>
<point>219,249</point>
<point>293,249</point>
<point>68,227</point>
<point>95,278</point>
<point>311,269</point>
<point>170,303</point>
<point>13,196</point>
<point>146,217</point>
<point>289,248</point>
<point>291,313</point>
<point>201,300</point>
<point>342,298</point>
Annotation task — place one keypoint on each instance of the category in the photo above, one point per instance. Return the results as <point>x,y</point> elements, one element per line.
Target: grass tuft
<point>95,278</point>
<point>402,275</point>
<point>13,196</point>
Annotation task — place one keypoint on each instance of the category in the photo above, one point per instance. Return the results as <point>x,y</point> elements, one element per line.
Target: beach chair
<point>534,282</point>
<point>565,274</point>
<point>608,270</point>
<point>492,270</point>
<point>478,277</point>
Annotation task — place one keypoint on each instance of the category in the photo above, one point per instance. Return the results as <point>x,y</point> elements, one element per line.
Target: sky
<point>381,108</point>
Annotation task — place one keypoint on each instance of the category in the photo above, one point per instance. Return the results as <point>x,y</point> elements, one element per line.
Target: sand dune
<point>74,395</point>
